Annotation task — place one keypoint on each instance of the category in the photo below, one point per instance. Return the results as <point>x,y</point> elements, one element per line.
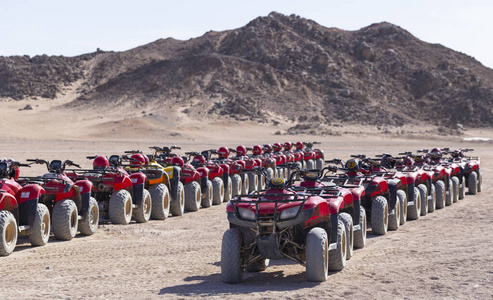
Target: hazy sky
<point>73,27</point>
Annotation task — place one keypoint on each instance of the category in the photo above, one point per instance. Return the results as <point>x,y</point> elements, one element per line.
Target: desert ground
<point>443,255</point>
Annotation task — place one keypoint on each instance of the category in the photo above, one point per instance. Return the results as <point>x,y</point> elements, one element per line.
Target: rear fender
<point>29,192</point>
<point>138,178</point>
<point>28,198</point>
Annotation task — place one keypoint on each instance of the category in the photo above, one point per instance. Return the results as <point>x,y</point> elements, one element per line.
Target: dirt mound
<point>276,68</point>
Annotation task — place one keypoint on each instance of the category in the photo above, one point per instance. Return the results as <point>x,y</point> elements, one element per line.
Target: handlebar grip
<point>32,159</point>
<point>91,157</point>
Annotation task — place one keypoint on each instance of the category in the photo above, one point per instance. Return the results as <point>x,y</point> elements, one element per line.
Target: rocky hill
<point>275,68</point>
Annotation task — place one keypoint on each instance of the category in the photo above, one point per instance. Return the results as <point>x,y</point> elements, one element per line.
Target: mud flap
<point>138,194</point>
<point>226,179</point>
<point>410,194</point>
<point>268,246</point>
<point>392,184</point>
<point>84,206</point>
<point>203,185</point>
<point>174,183</point>
<point>27,212</point>
<point>334,223</point>
<point>357,213</point>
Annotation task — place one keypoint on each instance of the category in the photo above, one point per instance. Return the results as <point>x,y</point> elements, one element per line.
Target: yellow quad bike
<point>163,183</point>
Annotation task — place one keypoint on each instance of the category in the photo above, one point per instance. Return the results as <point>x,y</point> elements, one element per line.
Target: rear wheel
<point>337,257</point>
<point>480,181</point>
<point>207,195</point>
<point>472,183</point>
<point>455,189</point>
<point>402,198</point>
<point>462,189</point>
<point>192,196</point>
<point>90,220</point>
<point>231,270</point>
<point>65,220</point>
<point>261,181</point>
<point>143,213</point>
<point>120,208</point>
<point>8,233</point>
<point>432,201</point>
<point>423,194</point>
<point>360,235</point>
<point>253,182</point>
<point>414,210</point>
<point>245,184</point>
<point>160,201</point>
<point>440,194</point>
<point>379,216</point>
<point>395,217</point>
<point>270,172</point>
<point>449,194</point>
<point>317,255</point>
<point>236,183</point>
<point>348,226</point>
<point>39,233</point>
<point>217,191</point>
<point>177,207</point>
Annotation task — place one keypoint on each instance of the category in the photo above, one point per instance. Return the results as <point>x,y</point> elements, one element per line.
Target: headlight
<point>290,212</point>
<point>246,214</point>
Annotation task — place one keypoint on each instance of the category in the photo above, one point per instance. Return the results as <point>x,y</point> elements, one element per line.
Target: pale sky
<point>74,27</point>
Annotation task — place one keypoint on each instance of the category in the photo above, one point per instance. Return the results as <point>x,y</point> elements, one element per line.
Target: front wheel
<point>143,212</point>
<point>253,182</point>
<point>310,164</point>
<point>455,189</point>
<point>231,270</point>
<point>65,220</point>
<point>379,216</point>
<point>160,201</point>
<point>177,207</point>
<point>360,235</point>
<point>402,198</point>
<point>90,220</point>
<point>472,183</point>
<point>414,210</point>
<point>8,232</point>
<point>423,194</point>
<point>319,163</point>
<point>395,218</point>
<point>317,255</point>
<point>432,201</point>
<point>348,226</point>
<point>337,257</point>
<point>236,183</point>
<point>207,195</point>
<point>440,194</point>
<point>39,233</point>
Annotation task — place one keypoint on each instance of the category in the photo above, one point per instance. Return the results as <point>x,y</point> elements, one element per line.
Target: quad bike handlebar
<point>133,151</point>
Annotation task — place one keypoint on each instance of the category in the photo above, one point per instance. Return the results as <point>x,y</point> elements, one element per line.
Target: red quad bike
<point>191,180</point>
<point>281,223</point>
<point>406,181</point>
<point>470,173</point>
<point>119,195</point>
<point>216,175</point>
<point>240,159</point>
<point>299,154</point>
<point>70,203</point>
<point>352,213</point>
<point>268,160</point>
<point>423,181</point>
<point>383,198</point>
<point>20,210</point>
<point>232,170</point>
<point>163,155</point>
<point>281,160</point>
<point>446,188</point>
<point>290,157</point>
<point>207,191</point>
<point>259,159</point>
<point>252,178</point>
<point>313,157</point>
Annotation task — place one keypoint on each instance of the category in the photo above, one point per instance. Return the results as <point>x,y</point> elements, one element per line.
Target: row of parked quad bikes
<point>68,199</point>
<point>286,204</point>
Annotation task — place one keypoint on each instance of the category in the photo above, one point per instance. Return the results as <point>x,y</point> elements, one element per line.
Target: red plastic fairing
<point>7,202</point>
<point>203,171</point>
<point>29,192</point>
<point>85,186</point>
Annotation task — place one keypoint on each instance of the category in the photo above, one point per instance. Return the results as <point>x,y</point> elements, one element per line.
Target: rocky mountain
<point>276,68</point>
